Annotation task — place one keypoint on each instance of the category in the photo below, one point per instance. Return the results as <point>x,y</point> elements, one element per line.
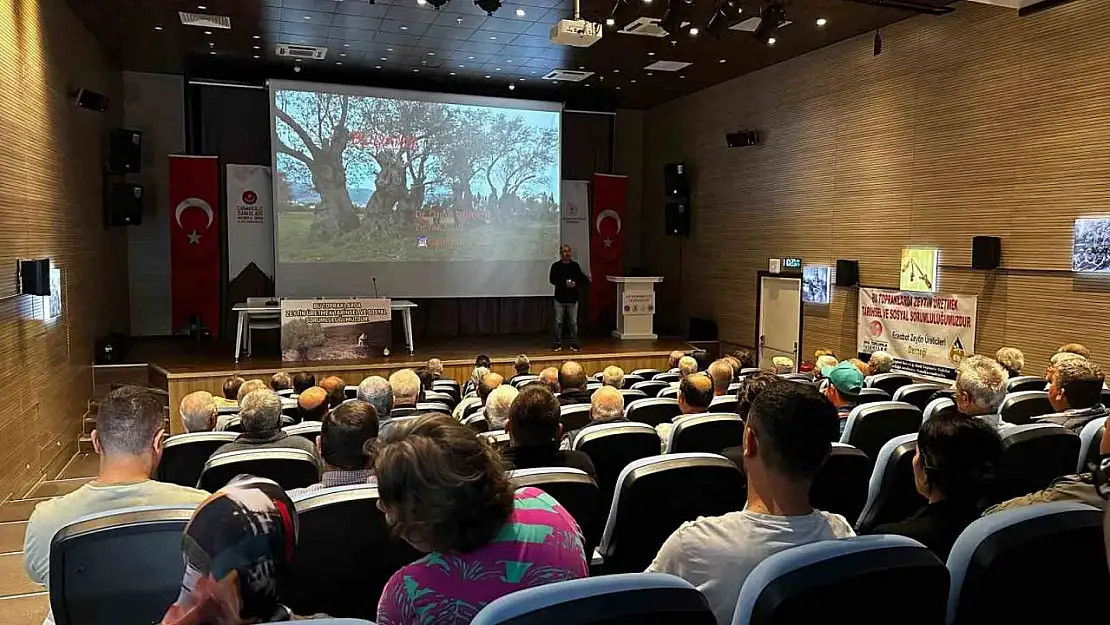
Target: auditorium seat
<point>889,382</point>
<point>285,392</point>
<point>477,422</point>
<point>1020,408</point>
<point>667,377</point>
<point>450,387</point>
<point>734,387</point>
<point>891,491</point>
<point>632,378</point>
<point>1105,396</point>
<point>937,406</point>
<point>797,377</point>
<point>646,374</point>
<point>117,567</point>
<point>597,377</point>
<point>233,424</point>
<point>499,438</point>
<point>863,580</point>
<point>443,397</point>
<point>841,484</point>
<point>653,411</point>
<point>611,447</point>
<point>520,380</point>
<point>291,468</point>
<point>350,391</point>
<point>1034,455</point>
<point>307,429</point>
<point>1026,383</point>
<point>872,395</point>
<point>671,392</point>
<point>1035,564</point>
<point>724,403</point>
<point>184,455</point>
<point>870,426</point>
<point>574,416</point>
<point>473,406</point>
<point>917,394</point>
<point>224,410</point>
<point>631,395</point>
<point>345,553</point>
<point>654,495</point>
<point>573,489</point>
<point>1090,438</point>
<point>746,371</point>
<point>650,388</point>
<point>628,599</point>
<point>710,433</point>
<point>427,407</point>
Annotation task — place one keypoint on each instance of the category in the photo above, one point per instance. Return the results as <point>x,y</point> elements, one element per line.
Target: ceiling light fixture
<point>821,22</point>
<point>258,36</point>
<point>308,17</point>
<point>202,7</point>
<point>452,73</point>
<point>346,45</point>
<point>403,27</point>
<point>493,37</point>
<point>489,6</point>
<point>257,47</point>
<point>157,28</point>
<point>694,32</point>
<point>772,41</point>
<point>339,62</point>
<point>512,87</point>
<point>208,32</point>
<point>723,61</point>
<point>340,54</point>
<point>257,57</point>
<point>377,67</point>
<point>610,22</point>
<point>677,11</point>
<point>520,12</point>
<point>421,2</point>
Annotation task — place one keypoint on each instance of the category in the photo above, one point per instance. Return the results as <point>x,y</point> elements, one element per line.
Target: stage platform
<point>181,366</point>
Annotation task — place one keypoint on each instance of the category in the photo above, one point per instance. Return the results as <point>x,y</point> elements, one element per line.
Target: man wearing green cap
<point>845,382</point>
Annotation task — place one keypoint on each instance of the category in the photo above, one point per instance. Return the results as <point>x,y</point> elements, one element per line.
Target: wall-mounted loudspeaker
<point>674,181</point>
<point>742,139</point>
<point>677,219</point>
<point>125,151</point>
<point>986,252</point>
<point>123,205</point>
<point>847,272</point>
<point>88,99</point>
<point>34,276</point>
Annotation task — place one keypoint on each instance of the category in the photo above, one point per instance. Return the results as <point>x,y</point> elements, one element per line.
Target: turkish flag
<point>194,193</point>
<point>606,240</point>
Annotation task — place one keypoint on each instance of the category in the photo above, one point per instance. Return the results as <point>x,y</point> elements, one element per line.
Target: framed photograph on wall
<point>1090,246</point>
<point>817,284</point>
<point>918,269</point>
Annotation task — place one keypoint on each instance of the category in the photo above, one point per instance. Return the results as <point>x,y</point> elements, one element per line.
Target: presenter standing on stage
<point>565,276</point>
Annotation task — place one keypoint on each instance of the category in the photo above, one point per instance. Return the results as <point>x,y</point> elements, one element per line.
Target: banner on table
<point>928,334</point>
<point>606,240</point>
<point>334,329</point>
<point>194,194</point>
<point>639,303</point>
<point>250,220</point>
<point>574,223</point>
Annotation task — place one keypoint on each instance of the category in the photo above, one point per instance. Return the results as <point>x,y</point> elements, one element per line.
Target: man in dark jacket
<point>572,379</point>
<point>260,414</point>
<point>565,276</point>
<point>534,432</point>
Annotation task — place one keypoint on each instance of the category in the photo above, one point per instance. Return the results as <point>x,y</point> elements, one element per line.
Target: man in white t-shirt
<point>786,439</point>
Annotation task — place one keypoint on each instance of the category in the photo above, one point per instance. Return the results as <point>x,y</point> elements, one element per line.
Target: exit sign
<point>792,263</point>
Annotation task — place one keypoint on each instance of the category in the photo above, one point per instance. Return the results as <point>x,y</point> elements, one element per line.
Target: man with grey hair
<point>249,387</point>
<point>406,393</point>
<point>1011,359</point>
<point>613,376</point>
<point>1075,392</point>
<point>782,365</point>
<point>720,371</point>
<point>880,362</point>
<point>497,406</point>
<point>980,388</point>
<point>281,381</point>
<point>376,391</point>
<point>260,415</point>
<point>606,406</point>
<point>435,365</point>
<point>198,412</point>
<point>549,377</point>
<point>686,366</point>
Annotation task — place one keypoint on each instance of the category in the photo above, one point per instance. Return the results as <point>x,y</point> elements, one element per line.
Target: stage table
<point>403,306</point>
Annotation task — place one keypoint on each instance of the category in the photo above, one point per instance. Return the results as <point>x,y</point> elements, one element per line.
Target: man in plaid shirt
<point>346,437</point>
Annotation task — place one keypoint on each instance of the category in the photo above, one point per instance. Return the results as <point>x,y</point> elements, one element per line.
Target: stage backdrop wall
<point>927,144</point>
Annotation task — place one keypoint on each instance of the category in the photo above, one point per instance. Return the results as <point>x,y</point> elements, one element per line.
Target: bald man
<point>549,377</point>
<point>572,379</point>
<point>720,372</point>
<point>606,406</point>
<point>312,404</point>
<point>487,383</point>
<point>249,387</point>
<point>335,387</point>
<point>695,393</point>
<point>198,412</point>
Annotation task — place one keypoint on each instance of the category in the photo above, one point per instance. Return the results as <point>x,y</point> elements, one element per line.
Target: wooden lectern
<point>635,307</point>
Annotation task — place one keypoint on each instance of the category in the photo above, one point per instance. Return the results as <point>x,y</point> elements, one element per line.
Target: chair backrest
<point>937,406</point>
<point>628,599</point>
<point>1025,383</point>
<point>655,495</point>
<point>123,566</point>
<point>574,490</point>
<point>646,374</point>
<point>667,377</point>
<point>574,416</point>
<point>797,377</point>
<point>724,403</point>
<point>889,382</point>
<point>870,426</point>
<point>344,544</point>
<point>653,411</point>
<point>917,394</point>
<point>632,378</point>
<point>234,424</point>
<point>871,395</point>
<point>499,438</point>
<point>477,422</point>
<point>184,455</point>
<point>222,410</point>
<point>443,397</point>
<point>631,395</point>
<point>710,433</point>
<point>671,392</point>
<point>745,371</point>
<point>999,565</point>
<point>291,468</point>
<point>841,484</point>
<point>734,387</point>
<point>520,380</point>
<point>285,392</point>
<point>306,429</point>
<point>650,388</point>
<point>842,581</point>
<point>1090,438</point>
<point>1034,455</point>
<point>612,447</point>
<point>433,406</point>
<point>1020,408</point>
<point>891,491</point>
<point>471,408</point>
<point>350,391</point>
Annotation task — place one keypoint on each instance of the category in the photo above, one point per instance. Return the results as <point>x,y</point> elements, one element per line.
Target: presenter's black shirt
<point>560,273</point>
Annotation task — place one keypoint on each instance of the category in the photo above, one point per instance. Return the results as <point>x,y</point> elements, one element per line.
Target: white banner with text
<point>334,329</point>
<point>928,334</point>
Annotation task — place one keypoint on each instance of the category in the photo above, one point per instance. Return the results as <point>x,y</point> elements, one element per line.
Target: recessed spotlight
<point>520,12</point>
<point>346,45</point>
<point>377,67</point>
<point>208,32</point>
<point>822,21</point>
<point>461,66</point>
<point>682,77</point>
<point>533,72</point>
<point>211,44</point>
<point>512,87</point>
<point>487,76</point>
<point>202,7</point>
<point>722,60</point>
<point>421,2</point>
<point>340,54</point>
<point>650,74</point>
<point>157,28</point>
<point>470,58</point>
<point>258,36</point>
<point>296,60</point>
<point>257,47</point>
<point>610,21</point>
<point>772,41</point>
<point>257,57</point>
<point>389,49</point>
<point>694,32</point>
<point>404,27</point>
<point>497,69</point>
<point>212,52</point>
<point>616,71</point>
<point>618,88</point>
<point>415,70</point>
<point>509,61</point>
<point>308,17</point>
<point>633,80</point>
<point>581,67</point>
<point>651,54</point>
<point>384,59</point>
<point>431,54</point>
<point>458,21</point>
<point>452,73</point>
<point>339,62</point>
<point>647,1</point>
<point>521,80</point>
<point>492,38</point>
<point>423,62</point>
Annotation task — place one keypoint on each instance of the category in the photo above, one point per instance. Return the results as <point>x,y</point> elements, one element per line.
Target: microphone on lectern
<point>374,279</point>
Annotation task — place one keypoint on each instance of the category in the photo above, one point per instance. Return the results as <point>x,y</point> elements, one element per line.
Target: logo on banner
<point>876,328</point>
<point>194,236</point>
<point>572,211</point>
<point>956,352</point>
<point>249,197</point>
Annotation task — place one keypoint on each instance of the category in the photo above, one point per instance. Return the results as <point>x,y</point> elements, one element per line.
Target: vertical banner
<point>194,193</point>
<point>574,221</point>
<point>606,240</point>
<point>928,334</point>
<point>250,220</point>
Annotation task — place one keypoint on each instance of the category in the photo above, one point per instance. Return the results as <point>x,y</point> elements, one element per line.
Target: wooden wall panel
<point>51,206</point>
<point>979,122</point>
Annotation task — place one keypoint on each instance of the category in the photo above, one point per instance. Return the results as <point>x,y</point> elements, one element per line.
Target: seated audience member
<point>427,378</point>
<point>823,352</point>
<point>128,439</point>
<point>446,493</point>
<point>695,393</point>
<point>572,379</point>
<point>522,365</point>
<point>782,365</point>
<point>733,362</point>
<point>606,406</point>
<point>720,372</point>
<point>198,412</point>
<point>248,387</point>
<point>376,391</point>
<point>750,388</point>
<point>687,365</point>
<point>1011,359</point>
<point>231,391</point>
<point>312,404</point>
<point>859,364</point>
<point>303,381</point>
<point>435,365</point>
<point>336,389</point>
<point>980,388</point>
<point>260,414</point>
<point>497,405</point>
<point>747,360</point>
<point>880,362</point>
<point>673,358</point>
<point>345,444</point>
<point>1075,348</point>
<point>612,376</point>
<point>483,361</point>
<point>475,377</point>
<point>406,393</point>
<point>549,378</point>
<point>238,549</point>
<point>470,397</point>
<point>534,432</point>
<point>1075,392</point>
<point>786,439</point>
<point>827,361</point>
<point>953,470</point>
<point>486,385</point>
<point>845,383</point>
<point>281,381</point>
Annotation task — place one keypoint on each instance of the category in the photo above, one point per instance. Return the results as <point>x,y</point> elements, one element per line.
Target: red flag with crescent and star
<point>194,192</point>
<point>606,240</point>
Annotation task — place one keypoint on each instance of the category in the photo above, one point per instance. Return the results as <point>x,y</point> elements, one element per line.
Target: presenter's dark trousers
<point>566,318</point>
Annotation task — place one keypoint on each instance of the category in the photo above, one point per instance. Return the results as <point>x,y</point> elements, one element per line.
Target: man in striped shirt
<point>346,436</point>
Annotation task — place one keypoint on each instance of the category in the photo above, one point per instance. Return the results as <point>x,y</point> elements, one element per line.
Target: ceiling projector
<point>578,33</point>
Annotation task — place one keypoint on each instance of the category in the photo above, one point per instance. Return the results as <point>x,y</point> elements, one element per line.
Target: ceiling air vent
<point>205,20</point>
<point>300,52</point>
<point>667,66</point>
<point>647,27</point>
<point>568,75</point>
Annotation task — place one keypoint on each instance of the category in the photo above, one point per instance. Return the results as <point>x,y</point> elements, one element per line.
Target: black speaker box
<point>34,276</point>
<point>986,252</point>
<point>674,181</point>
<point>847,272</point>
<point>111,349</point>
<point>676,218</point>
<point>125,151</point>
<point>123,205</point>
<point>88,99</point>
<point>742,139</point>
<point>702,329</point>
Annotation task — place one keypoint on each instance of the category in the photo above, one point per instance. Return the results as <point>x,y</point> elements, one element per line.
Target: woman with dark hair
<point>445,492</point>
<point>953,470</point>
